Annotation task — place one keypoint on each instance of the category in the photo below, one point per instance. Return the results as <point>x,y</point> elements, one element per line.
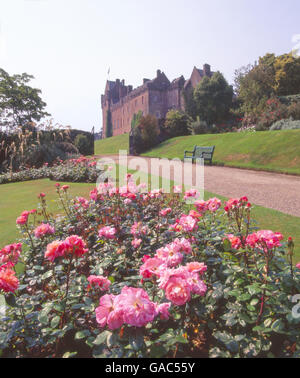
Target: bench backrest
<point>204,152</point>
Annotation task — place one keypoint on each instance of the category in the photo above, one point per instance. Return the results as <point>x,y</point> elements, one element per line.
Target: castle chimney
<point>145,81</point>
<point>206,70</point>
<point>123,82</point>
<point>158,73</point>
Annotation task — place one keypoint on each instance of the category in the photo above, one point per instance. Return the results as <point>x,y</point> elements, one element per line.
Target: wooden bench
<point>200,152</point>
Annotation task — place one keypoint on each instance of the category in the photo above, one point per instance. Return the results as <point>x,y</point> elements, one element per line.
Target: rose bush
<point>82,169</point>
<point>128,273</point>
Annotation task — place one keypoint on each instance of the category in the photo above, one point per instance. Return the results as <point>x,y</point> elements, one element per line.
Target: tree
<point>136,119</point>
<point>109,128</point>
<point>287,75</point>
<point>272,76</point>
<point>20,104</point>
<point>255,85</point>
<point>213,97</point>
<point>177,123</point>
<point>145,133</point>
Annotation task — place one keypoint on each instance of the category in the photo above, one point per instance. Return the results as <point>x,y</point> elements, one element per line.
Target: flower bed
<point>73,170</point>
<point>132,274</point>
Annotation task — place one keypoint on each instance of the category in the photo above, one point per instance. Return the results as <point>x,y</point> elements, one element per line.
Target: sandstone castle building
<point>155,97</point>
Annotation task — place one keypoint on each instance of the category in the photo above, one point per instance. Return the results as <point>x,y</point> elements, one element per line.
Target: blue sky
<point>69,45</point>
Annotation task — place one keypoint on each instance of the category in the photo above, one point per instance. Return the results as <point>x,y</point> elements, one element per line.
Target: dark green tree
<point>213,98</point>
<point>20,104</point>
<point>109,128</point>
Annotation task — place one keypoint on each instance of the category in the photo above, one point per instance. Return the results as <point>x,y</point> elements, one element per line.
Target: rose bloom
<point>201,206</point>
<point>188,223</point>
<point>94,194</point>
<point>10,253</point>
<point>163,310</point>
<point>184,245</point>
<point>180,283</point>
<point>195,214</point>
<point>177,189</point>
<point>170,254</point>
<point>234,240</point>
<point>43,229</point>
<point>74,244</point>
<point>145,258</point>
<point>151,267</point>
<point>137,307</point>
<point>54,250</point>
<point>65,187</point>
<point>108,313</point>
<point>264,239</point>
<point>165,212</point>
<point>298,265</point>
<point>127,201</point>
<point>192,193</point>
<point>214,204</point>
<point>98,282</point>
<point>8,280</point>
<point>178,291</point>
<point>107,232</point>
<point>81,201</point>
<point>136,243</point>
<point>22,220</point>
<point>195,266</point>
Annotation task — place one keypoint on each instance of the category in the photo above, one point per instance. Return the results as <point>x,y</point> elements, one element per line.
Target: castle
<point>155,97</point>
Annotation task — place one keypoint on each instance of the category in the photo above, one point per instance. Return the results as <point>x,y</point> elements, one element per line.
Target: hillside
<point>277,151</point>
<point>111,146</point>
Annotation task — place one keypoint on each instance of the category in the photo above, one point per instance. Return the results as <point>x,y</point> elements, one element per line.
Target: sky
<point>69,45</point>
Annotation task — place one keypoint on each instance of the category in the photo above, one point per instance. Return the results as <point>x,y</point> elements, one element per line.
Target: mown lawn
<point>111,146</point>
<point>276,151</point>
<point>20,196</point>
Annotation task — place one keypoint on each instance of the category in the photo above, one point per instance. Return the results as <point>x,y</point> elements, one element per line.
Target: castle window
<point>157,114</point>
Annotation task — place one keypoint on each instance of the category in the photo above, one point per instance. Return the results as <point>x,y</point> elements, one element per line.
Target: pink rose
<point>43,229</point>
<point>98,282</point>
<point>178,291</point>
<point>163,310</point>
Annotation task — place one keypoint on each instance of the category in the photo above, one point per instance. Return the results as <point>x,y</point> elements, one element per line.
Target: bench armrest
<point>188,152</point>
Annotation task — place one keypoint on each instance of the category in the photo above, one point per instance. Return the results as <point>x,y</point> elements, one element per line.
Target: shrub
<point>274,111</point>
<point>293,111</point>
<point>198,127</point>
<point>145,134</point>
<point>285,124</point>
<point>82,143</point>
<point>73,170</point>
<point>129,274</point>
<point>177,123</point>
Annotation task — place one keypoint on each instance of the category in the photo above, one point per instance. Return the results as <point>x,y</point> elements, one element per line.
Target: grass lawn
<point>20,196</point>
<point>276,151</point>
<point>111,146</point>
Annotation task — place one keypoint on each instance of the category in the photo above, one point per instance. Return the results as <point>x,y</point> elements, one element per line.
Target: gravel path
<point>272,190</point>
